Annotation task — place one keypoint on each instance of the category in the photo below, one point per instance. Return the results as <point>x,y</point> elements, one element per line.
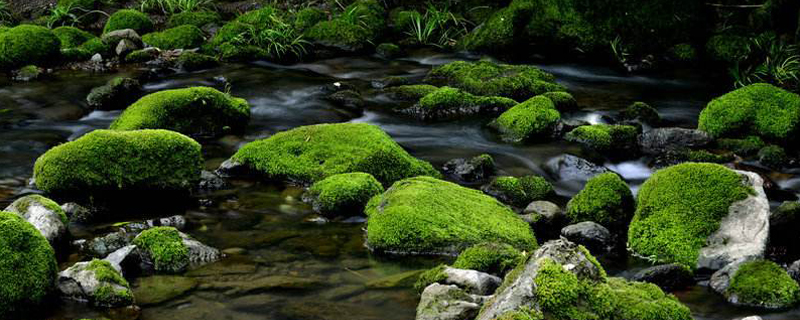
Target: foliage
<point>165,246</point>
<point>763,283</point>
<point>281,40</point>
<point>769,60</point>
<point>174,6</point>
<point>605,199</point>
<point>438,26</point>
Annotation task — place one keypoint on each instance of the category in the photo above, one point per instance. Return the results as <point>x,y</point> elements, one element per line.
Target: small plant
<point>174,6</point>
<point>5,13</point>
<point>279,39</point>
<point>770,60</point>
<point>69,14</point>
<point>619,50</point>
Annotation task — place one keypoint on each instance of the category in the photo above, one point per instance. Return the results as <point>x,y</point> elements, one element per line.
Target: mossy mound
<point>494,258</point>
<point>129,19</point>
<point>758,109</point>
<point>728,48</point>
<point>744,147</point>
<point>431,216</point>
<point>97,45</point>
<point>28,269</point>
<point>193,61</point>
<point>354,30</point>
<point>196,111</point>
<point>21,206</point>
<point>450,103</point>
<point>308,17</point>
<point>773,157</point>
<point>642,112</point>
<point>562,100</point>
<point>344,194</point>
<point>165,247</point>
<point>72,37</point>
<point>116,94</point>
<point>109,161</point>
<point>605,138</point>
<point>312,153</point>
<point>28,44</point>
<point>114,290</point>
<point>411,92</point>
<point>536,118</point>
<point>484,78</point>
<point>763,284</point>
<point>605,199</point>
<point>194,18</point>
<point>519,192</point>
<point>183,37</point>
<point>679,207</point>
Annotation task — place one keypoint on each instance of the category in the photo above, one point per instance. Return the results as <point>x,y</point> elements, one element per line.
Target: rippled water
<point>285,265</point>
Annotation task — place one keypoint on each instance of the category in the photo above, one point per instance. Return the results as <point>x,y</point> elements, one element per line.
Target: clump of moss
<point>605,199</point>
<point>763,284</point>
<point>72,37</point>
<point>389,50</point>
<point>193,61</point>
<point>165,247</point>
<point>683,52</point>
<point>108,161</point>
<point>28,44</point>
<point>312,153</point>
<point>196,111</point>
<point>679,207</point>
<point>29,268</point>
<point>562,100</point>
<point>412,92</point>
<point>758,109</point>
<point>484,78</point>
<point>641,111</point>
<point>21,205</point>
<point>773,156</point>
<point>114,290</point>
<point>494,258</point>
<point>142,55</point>
<point>605,138</point>
<point>181,37</point>
<point>519,192</point>
<point>536,118</point>
<point>705,156</point>
<point>344,194</point>
<point>129,19</point>
<point>194,18</point>
<point>427,215</point>
<point>728,48</point>
<point>354,30</point>
<point>308,17</point>
<point>96,45</point>
<point>430,277</point>
<point>450,103</point>
<point>117,93</point>
<point>744,147</point>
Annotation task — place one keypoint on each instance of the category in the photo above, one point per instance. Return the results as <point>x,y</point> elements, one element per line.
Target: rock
<point>343,35</point>
<point>262,284</point>
<point>343,194</point>
<point>571,168</point>
<point>450,103</point>
<point>491,258</point>
<point>794,270</point>
<point>534,119</point>
<point>129,19</point>
<point>751,318</point>
<point>124,47</point>
<point>180,37</point>
<point>27,73</point>
<point>410,92</point>
<point>389,51</point>
<point>473,170</point>
<point>105,245</point>
<point>485,78</point>
<point>783,222</point>
<point>144,55</point>
<point>76,212</point>
<point>118,93</point>
<point>28,44</point>
<point>44,214</point>
<point>519,192</point>
<point>606,199</point>
<point>615,141</point>
<point>117,258</point>
<point>546,219</point>
<point>167,250</point>
<point>642,112</point>
<point>348,100</point>
<point>97,58</point>
<point>210,181</point>
<point>562,100</point>
<point>158,289</point>
<point>661,140</point>
<point>757,283</point>
<point>399,280</point>
<point>193,61</point>
<point>472,281</point>
<point>96,282</point>
<point>590,234</point>
<point>773,157</point>
<point>124,34</point>
<point>447,302</point>
<point>669,277</point>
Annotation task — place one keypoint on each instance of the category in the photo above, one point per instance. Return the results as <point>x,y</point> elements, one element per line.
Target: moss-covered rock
<point>308,17</point>
<point>641,111</point>
<point>773,157</point>
<point>562,100</point>
<point>129,19</point>
<point>142,55</point>
<point>96,45</point>
<point>195,18</point>
<point>427,215</point>
<point>536,118</point>
<point>484,78</point>
<point>493,258</point>
<point>758,109</point>
<point>28,44</point>
<point>679,207</point>
<point>519,192</point>
<point>744,147</point>
<point>605,138</point>
<point>182,37</point>
<point>193,61</point>
<point>116,94</point>
<point>605,199</point>
<point>97,282</point>
<point>111,161</point>
<point>71,37</point>
<point>29,268</point>
<point>312,153</point>
<point>344,194</point>
<point>411,92</point>
<point>728,48</point>
<point>354,30</point>
<point>450,103</point>
<point>763,284</point>
<point>196,111</point>
<point>165,247</point>
<point>389,50</point>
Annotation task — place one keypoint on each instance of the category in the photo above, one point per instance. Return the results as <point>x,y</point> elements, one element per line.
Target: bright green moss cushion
<point>427,215</point>
<point>344,194</point>
<point>679,207</point>
<point>28,44</point>
<point>196,111</point>
<point>605,137</point>
<point>129,19</point>
<point>106,160</point>
<point>494,258</point>
<point>72,37</point>
<point>182,37</point>
<point>28,266</point>
<point>165,247</point>
<point>605,199</point>
<point>763,284</point>
<point>535,118</point>
<point>759,109</point>
<point>484,78</point>
<point>311,153</point>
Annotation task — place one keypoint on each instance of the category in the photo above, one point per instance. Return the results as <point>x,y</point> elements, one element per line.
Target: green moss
<point>562,100</point>
<point>192,61</point>
<point>75,54</point>
<point>705,156</point>
<point>308,17</point>
<point>21,206</point>
<point>388,50</point>
<point>641,111</point>
<point>494,258</point>
<point>683,52</point>
<point>194,18</point>
<point>532,119</point>
<point>28,270</point>
<point>427,215</point>
<point>605,199</point>
<point>763,283</point>
<point>182,37</point>
<point>412,92</point>
<point>234,52</point>
<point>260,17</point>
<point>484,78</point>
<point>108,295</point>
<point>773,156</point>
<point>604,137</point>
<point>107,161</point>
<point>312,153</point>
<point>645,301</point>
<point>96,45</point>
<point>519,192</point>
<point>344,194</point>
<point>430,277</point>
<point>142,55</point>
<point>679,207</point>
<point>72,37</point>
<point>196,111</point>
<point>340,34</point>
<point>501,30</point>
<point>758,109</point>
<point>747,146</point>
<point>230,31</point>
<point>104,272</point>
<point>166,248</point>
<point>28,44</point>
<point>728,48</point>
<point>449,103</point>
<point>129,19</point>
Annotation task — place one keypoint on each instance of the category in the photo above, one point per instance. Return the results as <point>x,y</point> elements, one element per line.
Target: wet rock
<point>232,168</point>
<point>391,81</point>
<point>158,289</point>
<point>794,270</point>
<point>76,212</point>
<point>389,50</point>
<point>104,245</point>
<point>116,36</point>
<point>44,214</point>
<point>590,234</point>
<point>569,167</point>
<point>737,281</point>
<point>95,282</point>
<point>261,284</point>
<point>751,318</point>
<point>474,282</point>
<point>349,100</point>
<point>117,258</point>
<point>546,219</point>
<point>447,302</point>
<point>210,181</point>
<point>661,140</point>
<point>124,47</point>
<point>783,223</point>
<point>27,73</point>
<point>641,112</point>
<point>118,93</point>
<point>96,58</point>
<point>474,170</point>
<point>613,141</point>
<point>669,277</point>
<point>519,192</point>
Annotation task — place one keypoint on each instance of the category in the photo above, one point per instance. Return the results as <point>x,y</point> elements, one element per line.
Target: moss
<point>683,52</point>
<point>21,206</point>
<point>450,103</point>
<point>605,199</point>
<point>75,54</point>
<point>389,50</point>
<point>182,37</point>
<point>29,268</point>
<point>72,37</point>
<point>494,258</point>
<point>641,111</point>
<point>165,247</point>
<point>96,45</point>
<point>108,161</point>
<point>533,119</point>
<point>196,111</point>
<point>604,137</point>
<point>230,31</point>
<point>728,48</point>
<point>501,30</point>
<point>645,301</point>
<point>401,19</point>
<point>430,277</point>
<point>484,78</point>
<point>705,156</point>
<point>412,92</point>
<point>523,313</point>
<point>108,295</point>
<point>233,52</point>
<point>142,55</point>
<point>427,215</point>
<point>129,19</point>
<point>763,283</point>
<point>773,156</point>
<point>339,34</point>
<point>117,93</point>
<point>192,61</point>
<point>758,109</point>
<point>308,17</point>
<point>28,44</point>
<point>344,194</point>
<point>519,192</point>
<point>260,17</point>
<point>563,101</point>
<point>312,153</point>
<point>679,207</point>
<point>195,18</point>
<point>104,272</point>
<point>747,146</point>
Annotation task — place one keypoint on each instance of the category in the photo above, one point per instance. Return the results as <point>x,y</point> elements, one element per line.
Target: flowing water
<point>283,262</point>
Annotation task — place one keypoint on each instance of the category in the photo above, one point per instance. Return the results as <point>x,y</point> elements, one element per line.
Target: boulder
<point>193,61</point>
<point>756,283</point>
<point>615,141</point>
<point>28,45</point>
<point>345,35</point>
<point>534,119</point>
<point>606,199</point>
<point>181,37</point>
<point>472,281</point>
<point>447,302</point>
<point>519,192</point>
<point>116,94</point>
<point>410,92</point>
<point>571,168</point>
<point>129,19</point>
<point>104,245</point>
<point>124,47</point>
<point>167,250</point>
<point>589,234</point>
<point>669,277</point>
<point>473,170</point>
<point>348,100</point>
<point>546,219</point>
<point>44,214</point>
<point>641,112</point>
<point>96,282</point>
<point>661,140</point>
<point>116,36</point>
<point>343,194</point>
<point>448,103</point>
<point>485,78</point>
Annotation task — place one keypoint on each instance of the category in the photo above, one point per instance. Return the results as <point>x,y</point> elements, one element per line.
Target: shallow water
<point>287,265</point>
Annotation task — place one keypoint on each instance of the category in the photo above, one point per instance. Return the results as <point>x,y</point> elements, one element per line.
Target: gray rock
<point>569,167</point>
<point>106,244</point>
<point>124,47</point>
<point>210,181</point>
<point>44,214</point>
<point>472,281</point>
<point>199,254</point>
<point>721,279</point>
<point>117,93</point>
<point>546,219</point>
<point>77,212</point>
<point>349,100</point>
<point>231,168</point>
<point>80,282</point>
<point>667,276</point>
<point>660,140</point>
<point>97,58</point>
<point>794,270</point>
<point>590,234</point>
<point>124,34</point>
<point>447,302</point>
<point>751,318</point>
<point>117,258</point>
<point>743,233</point>
<point>474,170</point>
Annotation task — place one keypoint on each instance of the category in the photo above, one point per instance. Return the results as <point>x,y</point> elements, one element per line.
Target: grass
<point>174,6</point>
<point>437,27</point>
<point>63,15</point>
<point>770,60</point>
<point>5,13</point>
<point>281,40</point>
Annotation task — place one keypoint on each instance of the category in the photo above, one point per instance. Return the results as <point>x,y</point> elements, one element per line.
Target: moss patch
<point>484,78</point>
<point>72,37</point>
<point>728,48</point>
<point>519,192</point>
<point>28,44</point>
<point>450,103</point>
<point>412,92</point>
<point>344,194</point>
<point>129,19</point>
<point>308,17</point>
<point>182,37</point>
<point>605,199</point>
<point>494,258</point>
<point>165,247</point>
<point>764,284</point>
<point>21,206</point>
<point>604,137</point>
<point>533,119</point>
<point>430,277</point>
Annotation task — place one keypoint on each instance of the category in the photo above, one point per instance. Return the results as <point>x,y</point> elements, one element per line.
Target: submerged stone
<point>96,282</point>
<point>449,103</point>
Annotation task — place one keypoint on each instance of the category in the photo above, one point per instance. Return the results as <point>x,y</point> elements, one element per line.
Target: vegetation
<point>21,206</point>
<point>763,284</point>
<point>493,258</point>
<point>174,6</point>
<point>165,247</point>
<point>129,19</point>
<point>533,119</point>
<point>344,194</point>
<point>519,192</point>
<point>28,44</point>
<point>182,37</point>
<point>604,137</point>
<point>484,78</point>
<point>437,26</point>
<point>605,199</point>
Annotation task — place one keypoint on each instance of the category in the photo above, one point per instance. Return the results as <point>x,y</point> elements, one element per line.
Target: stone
<point>210,181</point>
<point>794,270</point>
<point>668,277</point>
<point>124,47</point>
<point>572,168</point>
<point>348,100</point>
<point>475,170</point>
<point>661,140</point>
<point>44,214</point>
<point>546,219</point>
<point>125,34</point>
<point>472,281</point>
<point>447,302</point>
<point>96,282</point>
<point>118,93</point>
<point>97,58</point>
<point>590,234</point>
<point>158,289</point>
